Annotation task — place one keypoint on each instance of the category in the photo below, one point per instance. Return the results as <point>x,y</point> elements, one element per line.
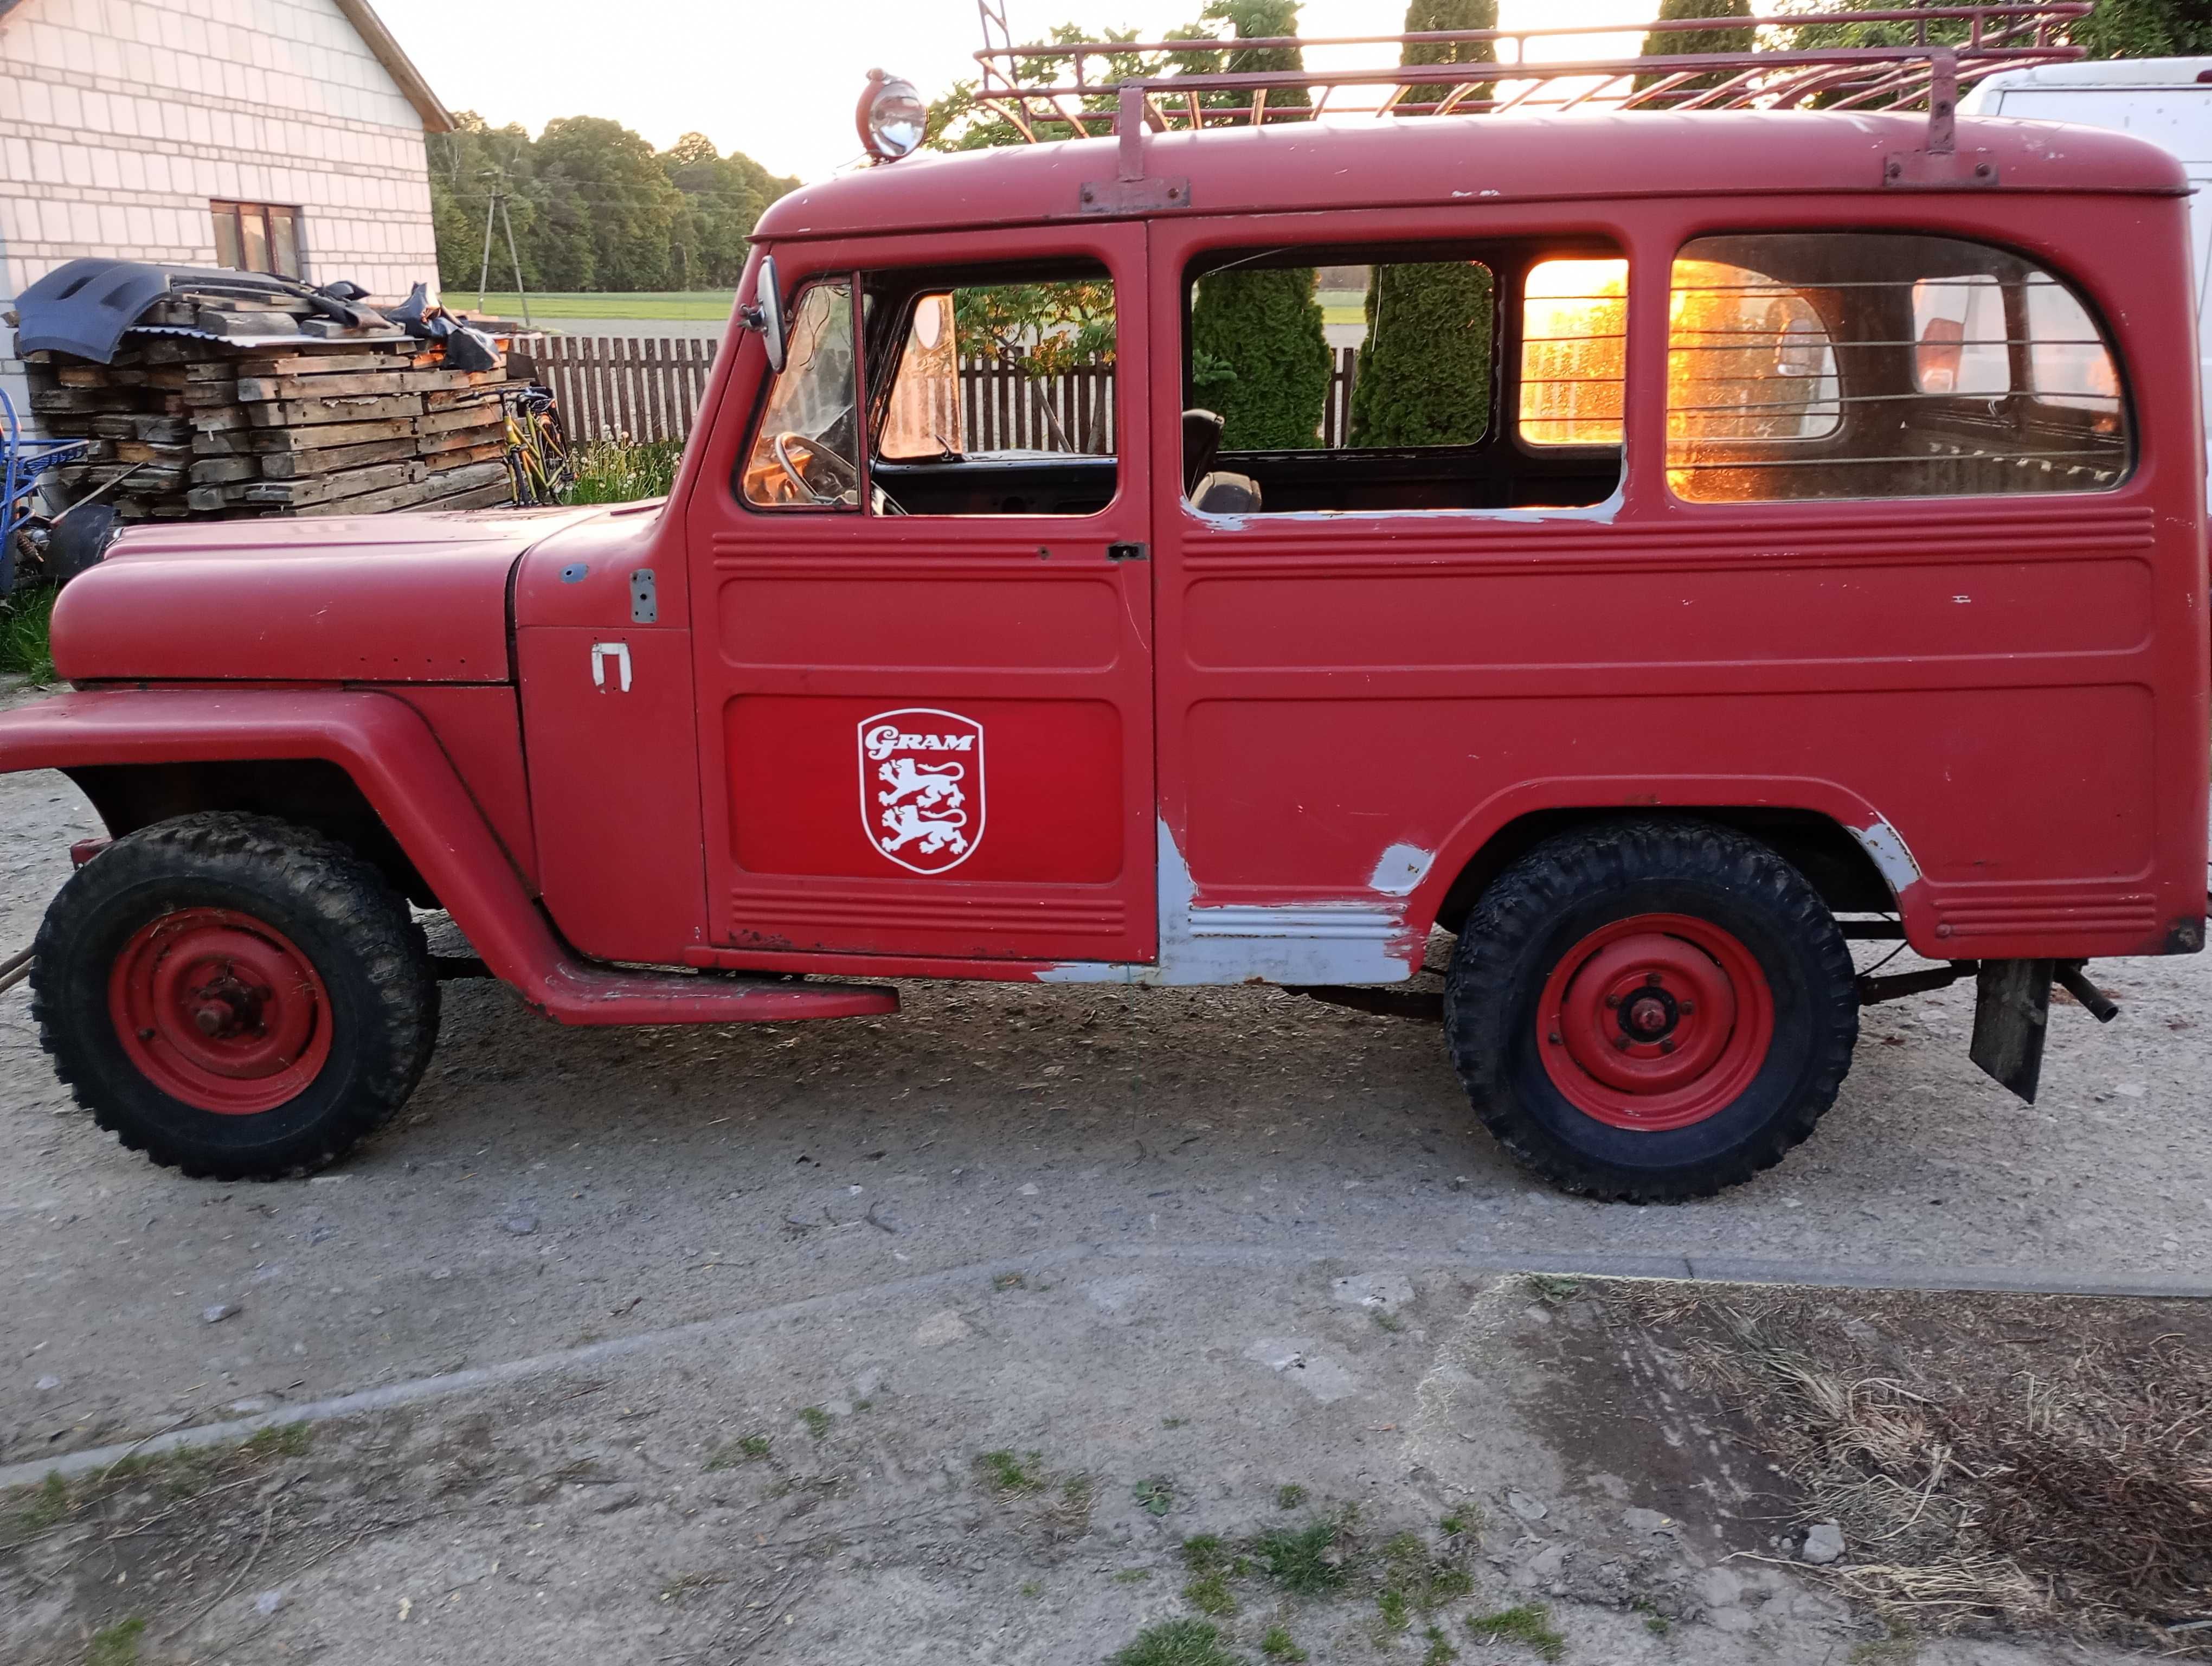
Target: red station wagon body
<point>1221,748</point>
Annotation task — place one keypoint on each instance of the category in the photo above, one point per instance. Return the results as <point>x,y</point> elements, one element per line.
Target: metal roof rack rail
<point>1052,91</point>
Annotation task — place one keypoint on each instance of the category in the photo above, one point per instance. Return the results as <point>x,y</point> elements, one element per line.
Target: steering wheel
<point>840,474</point>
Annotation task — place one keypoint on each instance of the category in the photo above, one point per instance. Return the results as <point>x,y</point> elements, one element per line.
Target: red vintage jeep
<point>1826,561</point>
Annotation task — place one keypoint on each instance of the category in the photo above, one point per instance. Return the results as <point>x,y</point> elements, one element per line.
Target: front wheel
<point>236,997</point>
<point>1650,1011</point>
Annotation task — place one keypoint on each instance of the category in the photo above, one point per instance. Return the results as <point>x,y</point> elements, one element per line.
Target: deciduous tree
<point>593,207</point>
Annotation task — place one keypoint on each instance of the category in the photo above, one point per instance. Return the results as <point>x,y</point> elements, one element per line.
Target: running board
<point>573,994</point>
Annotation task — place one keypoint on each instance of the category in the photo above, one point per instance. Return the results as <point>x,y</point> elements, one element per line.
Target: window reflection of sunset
<point>1573,352</point>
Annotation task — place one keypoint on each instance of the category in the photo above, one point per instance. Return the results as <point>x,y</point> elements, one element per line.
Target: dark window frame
<point>1503,451</point>
<point>236,213</point>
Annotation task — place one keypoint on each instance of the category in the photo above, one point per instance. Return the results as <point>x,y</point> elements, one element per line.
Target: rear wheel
<point>236,997</point>
<point>1652,1011</point>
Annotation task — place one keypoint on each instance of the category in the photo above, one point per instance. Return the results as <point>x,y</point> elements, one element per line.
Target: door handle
<point>1124,552</point>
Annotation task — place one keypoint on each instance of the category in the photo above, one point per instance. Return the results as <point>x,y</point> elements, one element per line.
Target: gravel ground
<point>549,1188</point>
<point>1004,1466</point>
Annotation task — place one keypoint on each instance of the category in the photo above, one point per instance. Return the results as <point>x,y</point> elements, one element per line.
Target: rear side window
<point>1574,318</point>
<point>1843,365</point>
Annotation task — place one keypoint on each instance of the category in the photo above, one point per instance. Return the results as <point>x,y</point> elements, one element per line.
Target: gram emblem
<point>921,787</point>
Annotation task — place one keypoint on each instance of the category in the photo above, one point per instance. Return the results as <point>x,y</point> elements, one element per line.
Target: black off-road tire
<point>1551,900</point>
<point>354,931</point>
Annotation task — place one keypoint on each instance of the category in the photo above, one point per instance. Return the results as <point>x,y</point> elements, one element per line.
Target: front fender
<point>391,755</point>
<point>380,741</point>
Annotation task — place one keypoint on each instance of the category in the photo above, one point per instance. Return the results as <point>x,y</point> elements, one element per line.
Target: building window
<point>257,237</point>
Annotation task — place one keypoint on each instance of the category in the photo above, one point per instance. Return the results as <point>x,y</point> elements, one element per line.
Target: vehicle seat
<point>1201,439</point>
<point>1222,493</point>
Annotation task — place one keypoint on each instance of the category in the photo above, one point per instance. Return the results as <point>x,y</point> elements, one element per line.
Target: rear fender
<point>1687,796</point>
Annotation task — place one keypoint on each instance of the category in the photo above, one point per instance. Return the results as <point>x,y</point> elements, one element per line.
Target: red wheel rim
<point>220,1010</point>
<point>1655,1022</point>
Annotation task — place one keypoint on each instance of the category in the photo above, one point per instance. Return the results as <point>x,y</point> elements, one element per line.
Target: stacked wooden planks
<point>228,413</point>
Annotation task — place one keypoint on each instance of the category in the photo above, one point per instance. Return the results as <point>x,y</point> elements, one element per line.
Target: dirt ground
<point>1046,1467</point>
<point>1177,1177</point>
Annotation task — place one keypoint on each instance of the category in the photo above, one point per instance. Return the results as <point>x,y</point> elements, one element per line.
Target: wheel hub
<point>220,1010</point>
<point>1655,1022</point>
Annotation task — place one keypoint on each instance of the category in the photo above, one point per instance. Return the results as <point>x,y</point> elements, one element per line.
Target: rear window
<point>1833,365</point>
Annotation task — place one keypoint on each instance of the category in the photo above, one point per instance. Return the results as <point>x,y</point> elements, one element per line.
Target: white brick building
<point>201,132</point>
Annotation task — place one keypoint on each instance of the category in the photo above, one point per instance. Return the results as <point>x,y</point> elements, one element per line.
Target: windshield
<point>801,456</point>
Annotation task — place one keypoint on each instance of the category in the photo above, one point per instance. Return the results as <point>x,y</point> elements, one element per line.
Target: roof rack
<point>1059,91</point>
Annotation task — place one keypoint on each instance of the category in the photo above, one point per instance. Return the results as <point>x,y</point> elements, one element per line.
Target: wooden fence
<point>649,389</point>
<point>614,386</point>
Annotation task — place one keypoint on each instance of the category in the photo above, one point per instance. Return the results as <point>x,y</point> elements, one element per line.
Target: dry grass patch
<point>2022,1461</point>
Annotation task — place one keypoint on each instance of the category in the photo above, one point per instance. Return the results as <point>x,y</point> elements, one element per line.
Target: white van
<point>2167,100</point>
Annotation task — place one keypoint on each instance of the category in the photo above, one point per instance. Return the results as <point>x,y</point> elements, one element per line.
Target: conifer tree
<point>1258,353</point>
<point>1424,377</point>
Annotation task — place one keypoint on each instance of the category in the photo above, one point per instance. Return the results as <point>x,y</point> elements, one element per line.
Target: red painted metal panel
<point>1015,631</point>
<point>380,599</point>
<point>1475,164</point>
<point>614,785</point>
<point>391,754</point>
<point>1043,793</point>
<point>611,724</point>
<point>2018,690</point>
<point>481,730</point>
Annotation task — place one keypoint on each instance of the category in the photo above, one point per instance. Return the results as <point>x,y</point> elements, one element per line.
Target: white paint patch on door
<point>1401,870</point>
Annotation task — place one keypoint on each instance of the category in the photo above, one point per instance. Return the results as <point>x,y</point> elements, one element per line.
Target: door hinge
<point>644,609</point>
<point>1124,552</point>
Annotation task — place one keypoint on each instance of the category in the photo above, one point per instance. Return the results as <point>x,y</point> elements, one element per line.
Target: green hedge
<point>1259,357</point>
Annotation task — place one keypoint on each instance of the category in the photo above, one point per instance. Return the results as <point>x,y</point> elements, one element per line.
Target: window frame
<point>1509,251</point>
<point>235,210</point>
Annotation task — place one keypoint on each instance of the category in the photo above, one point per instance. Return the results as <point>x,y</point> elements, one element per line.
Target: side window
<point>2069,363</point>
<point>1484,376</point>
<point>1958,344</point>
<point>993,392</point>
<point>1859,365</point>
<point>803,452</point>
<point>1574,340</point>
<point>1748,358</point>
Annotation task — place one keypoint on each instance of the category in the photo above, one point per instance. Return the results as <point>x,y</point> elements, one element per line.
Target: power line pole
<point>484,273</point>
<point>506,218</point>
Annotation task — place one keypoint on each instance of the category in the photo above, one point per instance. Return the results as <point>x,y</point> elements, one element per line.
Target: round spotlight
<point>891,116</point>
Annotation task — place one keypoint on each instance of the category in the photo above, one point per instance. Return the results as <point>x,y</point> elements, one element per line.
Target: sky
<point>778,79</point>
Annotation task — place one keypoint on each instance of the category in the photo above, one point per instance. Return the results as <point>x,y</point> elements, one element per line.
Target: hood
<point>417,598</point>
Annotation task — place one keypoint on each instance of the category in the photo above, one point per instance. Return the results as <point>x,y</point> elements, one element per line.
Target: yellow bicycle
<point>536,448</point>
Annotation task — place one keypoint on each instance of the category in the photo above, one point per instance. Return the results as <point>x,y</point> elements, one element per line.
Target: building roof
<point>436,118</point>
<point>1303,167</point>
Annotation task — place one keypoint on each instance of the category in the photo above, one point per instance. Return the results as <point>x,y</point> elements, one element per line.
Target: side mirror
<point>766,312</point>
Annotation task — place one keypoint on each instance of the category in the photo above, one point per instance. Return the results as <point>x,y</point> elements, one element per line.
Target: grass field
<point>703,304</point>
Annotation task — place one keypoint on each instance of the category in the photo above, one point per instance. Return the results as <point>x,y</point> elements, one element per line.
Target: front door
<point>924,610</point>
